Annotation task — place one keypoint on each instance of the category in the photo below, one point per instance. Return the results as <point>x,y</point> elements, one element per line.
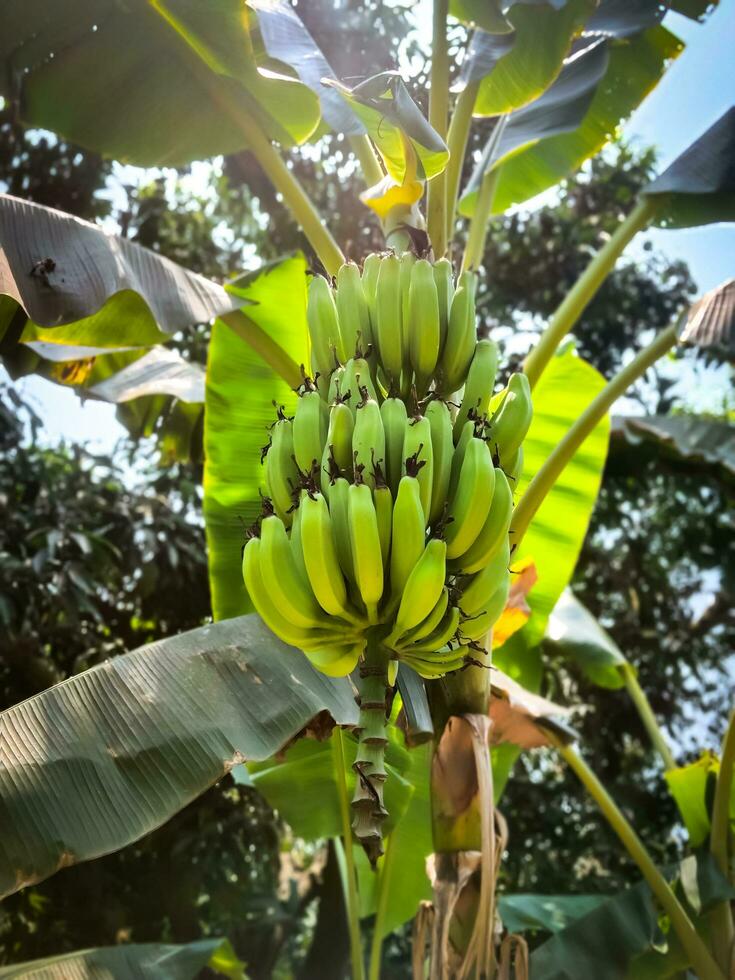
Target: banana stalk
<point>369,766</point>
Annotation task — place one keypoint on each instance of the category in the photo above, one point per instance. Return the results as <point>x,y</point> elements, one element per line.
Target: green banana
<point>294,538</point>
<point>513,467</point>
<point>337,661</point>
<point>336,385</point>
<point>468,433</point>
<point>383,500</point>
<point>423,587</point>
<point>368,439</point>
<point>483,622</point>
<point>470,503</point>
<point>482,586</point>
<point>352,310</point>
<point>442,444</point>
<point>444,282</point>
<point>281,472</point>
<point>407,260</point>
<point>435,665</point>
<point>423,324</point>
<point>321,316</point>
<point>429,624</point>
<point>418,448</point>
<point>511,422</point>
<point>271,615</point>
<point>409,534</point>
<point>365,543</point>
<point>461,336</point>
<point>494,530</point>
<point>290,589</point>
<point>357,376</point>
<point>479,385</point>
<point>337,455</point>
<point>445,632</point>
<point>320,557</point>
<point>338,511</point>
<point>310,425</point>
<point>370,270</point>
<point>389,318</point>
<point>393,413</point>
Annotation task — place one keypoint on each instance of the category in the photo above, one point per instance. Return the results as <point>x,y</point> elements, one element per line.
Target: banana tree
<point>412,528</point>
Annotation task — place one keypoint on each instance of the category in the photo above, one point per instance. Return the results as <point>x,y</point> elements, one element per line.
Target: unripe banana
<point>357,376</point>
<point>444,291</point>
<point>509,425</point>
<point>368,440</point>
<point>445,632</point>
<point>407,260</point>
<point>422,324</point>
<point>337,455</point>
<point>337,661</point>
<point>281,472</point>
<point>461,336</point>
<point>494,530</point>
<point>480,382</point>
<point>370,270</point>
<point>310,425</point>
<point>290,589</point>
<point>513,468</point>
<point>409,534</point>
<point>294,538</point>
<point>470,503</point>
<point>336,385</point>
<point>352,310</point>
<point>429,624</point>
<point>272,616</point>
<point>320,557</point>
<point>383,500</point>
<point>442,444</point>
<point>393,413</point>
<point>468,433</point>
<point>338,511</point>
<point>321,316</point>
<point>392,673</point>
<point>388,309</point>
<point>417,447</point>
<point>482,586</point>
<point>481,624</point>
<point>423,587</point>
<point>365,543</point>
<point>435,665</point>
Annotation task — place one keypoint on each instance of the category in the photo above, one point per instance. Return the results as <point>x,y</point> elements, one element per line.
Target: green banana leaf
<point>699,186</point>
<point>574,632</point>
<point>240,394</point>
<point>555,536</point>
<point>556,139</point>
<point>517,68</point>
<point>484,14</point>
<point>544,913</point>
<point>136,961</point>
<point>108,755</point>
<point>392,119</point>
<point>286,39</point>
<point>692,787</point>
<point>170,78</point>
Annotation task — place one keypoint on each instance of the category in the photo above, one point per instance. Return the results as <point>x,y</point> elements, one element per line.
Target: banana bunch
<point>389,493</point>
<point>387,504</point>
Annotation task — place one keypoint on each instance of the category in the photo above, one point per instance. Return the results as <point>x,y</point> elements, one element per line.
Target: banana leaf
<point>694,440</point>
<point>699,186</point>
<point>147,83</point>
<point>574,632</point>
<point>710,322</point>
<point>517,68</point>
<point>108,755</point>
<point>286,39</point>
<point>134,961</point>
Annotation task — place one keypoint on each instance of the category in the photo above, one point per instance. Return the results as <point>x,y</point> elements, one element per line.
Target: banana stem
<point>699,956</point>
<point>367,802</point>
<point>475,248</point>
<point>549,472</point>
<point>351,896</point>
<point>369,162</point>
<point>645,712</point>
<point>723,931</point>
<point>459,131</point>
<point>574,303</point>
<point>271,352</point>
<point>386,872</point>
<point>438,111</point>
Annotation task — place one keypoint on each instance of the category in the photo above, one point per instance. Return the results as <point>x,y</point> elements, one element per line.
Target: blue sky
<point>697,89</point>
